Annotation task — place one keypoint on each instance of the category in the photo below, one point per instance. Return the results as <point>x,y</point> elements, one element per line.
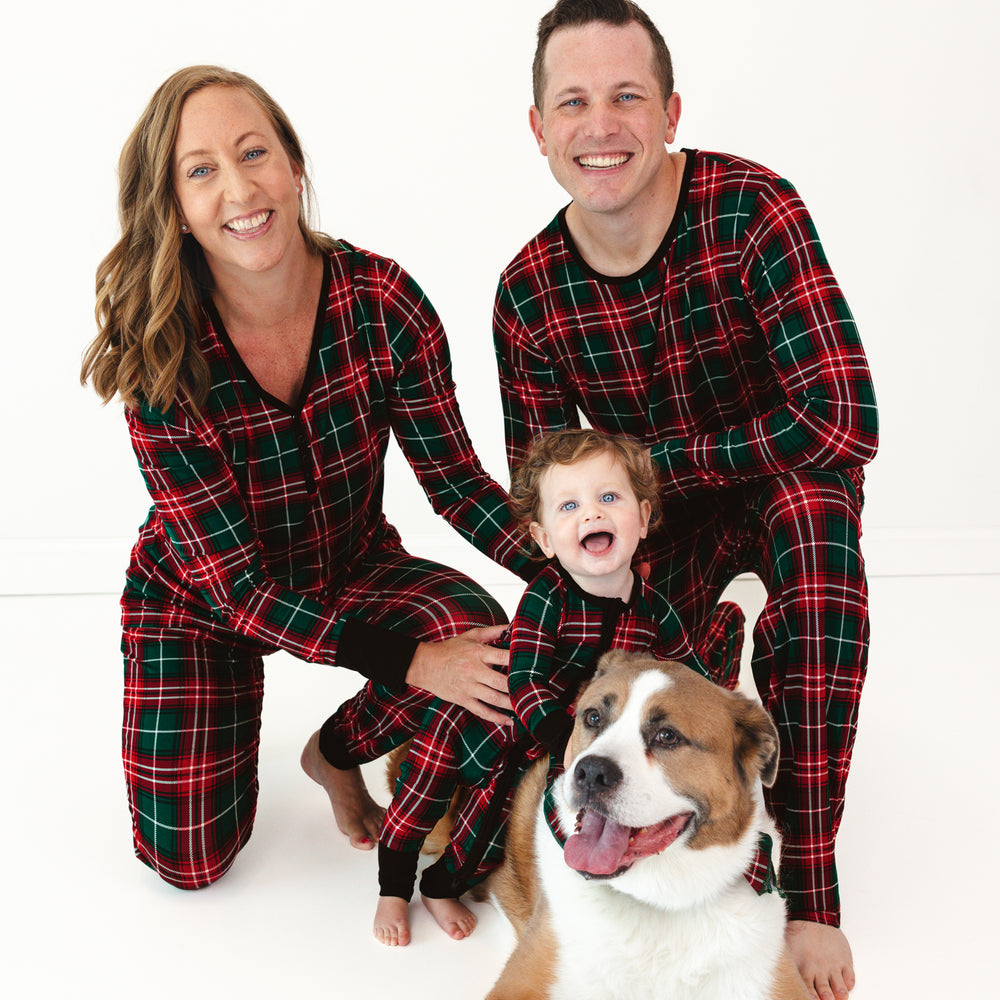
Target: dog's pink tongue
<point>598,847</point>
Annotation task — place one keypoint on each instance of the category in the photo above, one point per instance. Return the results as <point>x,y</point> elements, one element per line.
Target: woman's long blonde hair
<point>149,285</point>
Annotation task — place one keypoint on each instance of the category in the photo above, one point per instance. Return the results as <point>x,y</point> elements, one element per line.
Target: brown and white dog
<point>663,806</point>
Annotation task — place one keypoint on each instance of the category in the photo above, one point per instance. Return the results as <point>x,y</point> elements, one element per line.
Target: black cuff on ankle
<point>333,748</point>
<point>397,871</point>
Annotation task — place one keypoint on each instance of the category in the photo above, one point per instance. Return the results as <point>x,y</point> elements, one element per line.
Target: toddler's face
<point>591,521</point>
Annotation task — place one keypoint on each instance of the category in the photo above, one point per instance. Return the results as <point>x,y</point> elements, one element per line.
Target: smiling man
<point>683,298</point>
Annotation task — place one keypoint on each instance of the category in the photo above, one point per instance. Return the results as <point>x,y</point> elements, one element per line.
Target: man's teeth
<point>248,224</point>
<point>604,160</point>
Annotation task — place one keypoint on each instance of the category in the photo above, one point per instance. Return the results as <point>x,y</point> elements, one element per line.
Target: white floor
<point>292,919</point>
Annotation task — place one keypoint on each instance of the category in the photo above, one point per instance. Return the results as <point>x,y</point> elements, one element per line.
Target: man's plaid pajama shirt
<point>734,357</point>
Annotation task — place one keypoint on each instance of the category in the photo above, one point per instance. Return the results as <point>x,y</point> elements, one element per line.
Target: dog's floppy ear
<point>756,742</point>
<point>610,660</point>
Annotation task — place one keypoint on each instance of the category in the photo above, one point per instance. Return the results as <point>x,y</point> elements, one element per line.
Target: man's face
<point>603,123</point>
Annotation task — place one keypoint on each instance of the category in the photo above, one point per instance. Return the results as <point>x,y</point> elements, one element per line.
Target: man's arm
<point>828,419</point>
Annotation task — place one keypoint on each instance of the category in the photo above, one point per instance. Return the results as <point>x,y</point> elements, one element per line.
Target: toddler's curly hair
<point>572,445</point>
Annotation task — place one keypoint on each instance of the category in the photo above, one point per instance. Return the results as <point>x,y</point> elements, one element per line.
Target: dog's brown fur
<point>530,971</point>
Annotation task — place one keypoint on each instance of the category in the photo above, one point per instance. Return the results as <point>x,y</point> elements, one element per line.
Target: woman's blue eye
<point>254,154</point>
<point>198,172</point>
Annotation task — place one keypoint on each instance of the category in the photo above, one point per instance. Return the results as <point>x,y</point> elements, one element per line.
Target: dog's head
<point>662,760</point>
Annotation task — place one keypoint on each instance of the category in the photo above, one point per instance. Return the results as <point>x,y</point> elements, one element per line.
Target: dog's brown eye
<point>592,718</point>
<point>668,737</point>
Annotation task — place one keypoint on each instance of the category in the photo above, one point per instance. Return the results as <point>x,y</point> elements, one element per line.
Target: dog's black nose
<point>595,775</point>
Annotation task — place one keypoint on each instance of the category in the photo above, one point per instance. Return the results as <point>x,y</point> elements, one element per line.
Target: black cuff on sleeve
<point>397,871</point>
<point>553,732</point>
<point>376,653</point>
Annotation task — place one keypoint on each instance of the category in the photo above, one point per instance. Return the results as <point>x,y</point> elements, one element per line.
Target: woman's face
<point>236,188</point>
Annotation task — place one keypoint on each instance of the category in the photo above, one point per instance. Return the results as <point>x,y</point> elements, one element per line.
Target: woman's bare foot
<point>823,957</point>
<point>356,812</point>
<point>453,917</point>
<point>392,923</point>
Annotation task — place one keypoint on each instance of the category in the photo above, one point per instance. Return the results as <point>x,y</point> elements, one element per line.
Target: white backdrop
<point>414,117</point>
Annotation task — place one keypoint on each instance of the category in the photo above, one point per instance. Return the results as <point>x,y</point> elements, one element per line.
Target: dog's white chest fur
<point>612,947</point>
<point>661,807</point>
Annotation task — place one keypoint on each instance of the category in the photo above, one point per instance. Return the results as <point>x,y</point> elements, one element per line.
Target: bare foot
<point>356,812</point>
<point>453,917</point>
<point>392,923</point>
<point>823,957</point>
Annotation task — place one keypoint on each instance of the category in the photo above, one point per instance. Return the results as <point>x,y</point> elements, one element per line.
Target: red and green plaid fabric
<point>556,638</point>
<point>262,511</point>
<point>267,532</point>
<point>560,632</point>
<point>733,356</point>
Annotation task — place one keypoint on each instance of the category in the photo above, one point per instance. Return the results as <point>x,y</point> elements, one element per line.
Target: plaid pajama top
<point>558,634</point>
<point>732,354</point>
<point>261,510</point>
<point>560,631</point>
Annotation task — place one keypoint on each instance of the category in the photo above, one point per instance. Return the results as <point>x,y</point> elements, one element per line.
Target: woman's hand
<point>459,670</point>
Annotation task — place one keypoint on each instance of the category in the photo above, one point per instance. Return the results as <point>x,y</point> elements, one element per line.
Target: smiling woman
<point>263,366</point>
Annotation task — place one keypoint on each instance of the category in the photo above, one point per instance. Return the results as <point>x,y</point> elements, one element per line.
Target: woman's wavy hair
<point>572,445</point>
<point>149,285</point>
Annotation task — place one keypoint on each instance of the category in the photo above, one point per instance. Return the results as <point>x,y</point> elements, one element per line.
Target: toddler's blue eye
<point>608,498</point>
<point>569,505</point>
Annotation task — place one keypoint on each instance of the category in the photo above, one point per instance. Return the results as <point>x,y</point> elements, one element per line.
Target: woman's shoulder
<point>350,261</point>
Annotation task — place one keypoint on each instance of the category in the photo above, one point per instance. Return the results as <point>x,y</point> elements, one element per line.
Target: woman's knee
<point>192,853</point>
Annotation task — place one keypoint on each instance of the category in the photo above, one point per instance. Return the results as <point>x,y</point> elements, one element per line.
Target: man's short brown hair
<point>567,447</point>
<point>576,14</point>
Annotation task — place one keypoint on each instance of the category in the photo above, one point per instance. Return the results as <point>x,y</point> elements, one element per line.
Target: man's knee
<point>810,495</point>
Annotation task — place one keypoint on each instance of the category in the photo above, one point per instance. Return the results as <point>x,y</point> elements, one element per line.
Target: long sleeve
<point>828,417</point>
<point>206,524</point>
<point>426,420</point>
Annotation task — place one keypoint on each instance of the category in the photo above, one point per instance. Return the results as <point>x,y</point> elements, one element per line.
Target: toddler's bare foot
<point>356,812</point>
<point>453,917</point>
<point>392,923</point>
<point>823,957</point>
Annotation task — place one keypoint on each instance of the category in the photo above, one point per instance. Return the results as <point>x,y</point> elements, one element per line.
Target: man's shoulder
<point>536,255</point>
<point>722,174</point>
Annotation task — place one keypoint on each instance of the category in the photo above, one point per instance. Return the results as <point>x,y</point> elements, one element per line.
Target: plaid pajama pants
<point>453,750</point>
<point>799,532</point>
<point>193,700</point>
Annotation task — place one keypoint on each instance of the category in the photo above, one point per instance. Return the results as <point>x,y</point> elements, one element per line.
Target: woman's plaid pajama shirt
<point>267,533</point>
